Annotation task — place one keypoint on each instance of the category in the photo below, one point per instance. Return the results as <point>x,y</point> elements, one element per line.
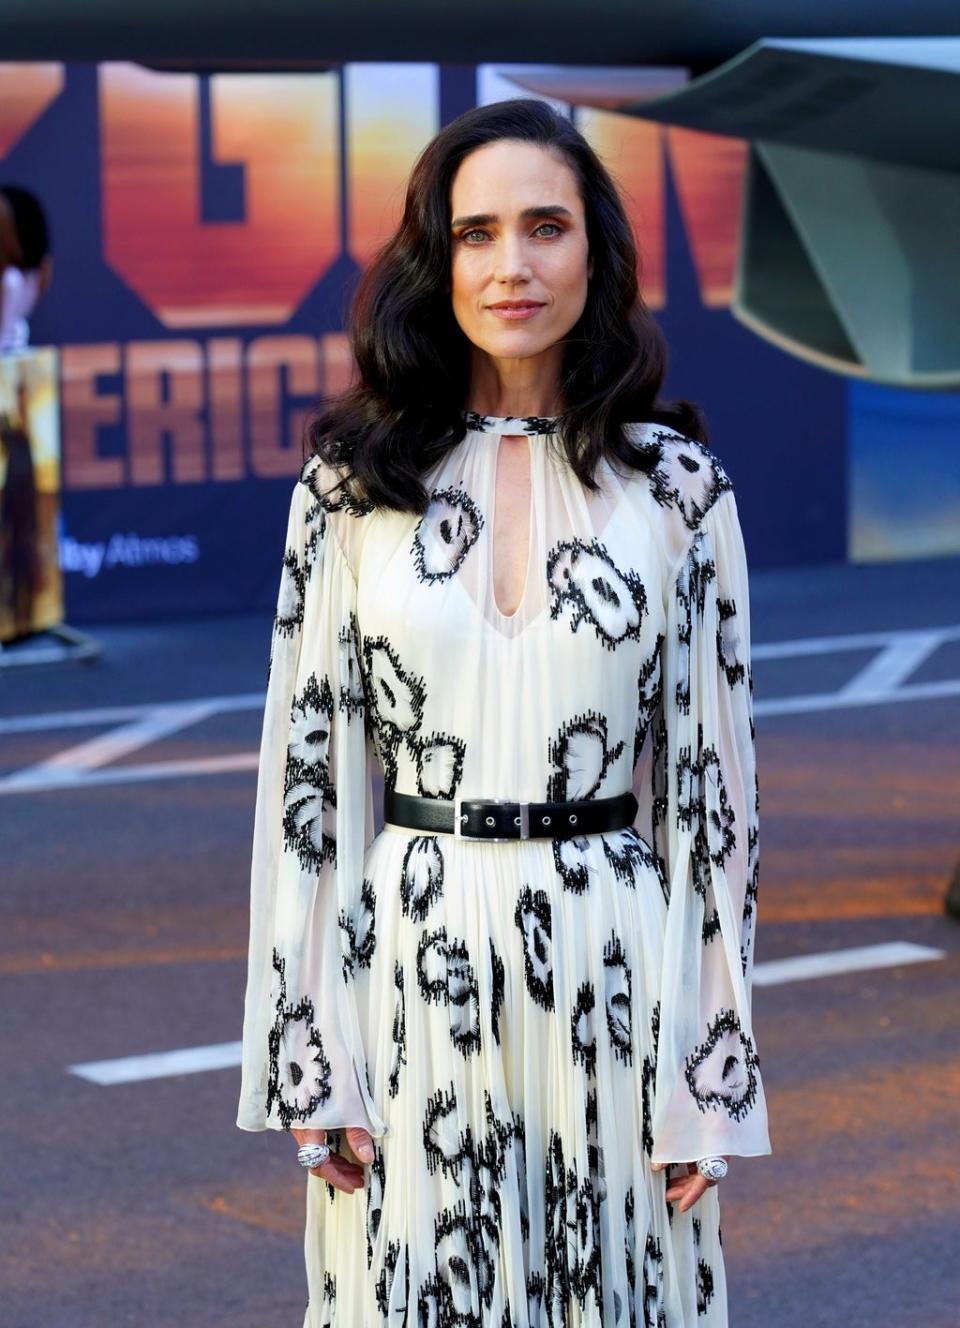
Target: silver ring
<point>313,1155</point>
<point>714,1168</point>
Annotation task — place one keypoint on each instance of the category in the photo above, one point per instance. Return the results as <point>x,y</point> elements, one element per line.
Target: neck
<point>517,387</point>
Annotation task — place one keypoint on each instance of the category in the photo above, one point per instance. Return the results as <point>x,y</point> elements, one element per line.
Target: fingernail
<point>366,1152</point>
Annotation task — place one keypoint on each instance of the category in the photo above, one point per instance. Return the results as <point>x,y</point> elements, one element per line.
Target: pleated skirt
<point>507,996</point>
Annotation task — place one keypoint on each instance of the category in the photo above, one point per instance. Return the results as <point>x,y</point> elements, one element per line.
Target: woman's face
<point>520,261</point>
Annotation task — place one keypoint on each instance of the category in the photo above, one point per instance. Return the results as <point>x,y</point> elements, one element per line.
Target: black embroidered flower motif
<point>446,977</point>
<point>618,987</point>
<point>299,1079</point>
<point>690,589</point>
<point>395,704</point>
<point>497,990</point>
<point>729,641</point>
<point>397,695</point>
<point>582,1033</point>
<point>571,857</point>
<point>572,1236</point>
<point>612,601</point>
<point>628,853</point>
<point>465,1263</point>
<point>629,1258</point>
<point>649,693</point>
<point>654,1313</point>
<point>399,1032</point>
<point>439,758</point>
<point>444,1144</point>
<point>648,1080</point>
<point>722,1071</point>
<point>532,916</point>
<point>332,491</point>
<point>705,1286</point>
<point>352,699</point>
<point>467,1234</point>
<point>580,757</point>
<point>714,838</point>
<point>328,1303</point>
<point>395,700</point>
<point>421,876</point>
<point>375,1182</point>
<point>289,615</point>
<point>358,931</point>
<point>308,792</point>
<point>392,1291</point>
<point>688,476</point>
<point>445,534</point>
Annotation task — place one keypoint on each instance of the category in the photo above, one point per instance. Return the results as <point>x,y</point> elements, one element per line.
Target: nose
<point>511,265</point>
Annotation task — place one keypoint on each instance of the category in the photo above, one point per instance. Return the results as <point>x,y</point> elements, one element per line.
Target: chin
<point>515,344</point>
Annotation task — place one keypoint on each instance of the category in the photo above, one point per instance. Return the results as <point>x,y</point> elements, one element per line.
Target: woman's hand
<point>338,1170</point>
<point>687,1188</point>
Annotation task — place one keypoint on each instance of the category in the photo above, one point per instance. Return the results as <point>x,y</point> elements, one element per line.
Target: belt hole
<point>516,820</point>
<point>573,818</point>
<point>544,820</point>
<point>490,820</point>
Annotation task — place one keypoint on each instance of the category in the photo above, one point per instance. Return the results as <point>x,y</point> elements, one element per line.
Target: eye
<point>548,224</point>
<point>464,235</point>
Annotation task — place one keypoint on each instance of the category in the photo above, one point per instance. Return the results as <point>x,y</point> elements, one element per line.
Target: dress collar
<point>528,424</point>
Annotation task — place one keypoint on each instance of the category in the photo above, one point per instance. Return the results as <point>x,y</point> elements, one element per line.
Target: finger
<point>360,1142</point>
<point>695,1189</point>
<point>308,1136</point>
<point>677,1187</point>
<point>341,1173</point>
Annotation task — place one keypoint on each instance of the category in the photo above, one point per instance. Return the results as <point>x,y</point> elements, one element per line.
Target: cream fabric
<point>522,1026</point>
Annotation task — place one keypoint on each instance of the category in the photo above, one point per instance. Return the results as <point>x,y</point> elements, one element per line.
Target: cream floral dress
<point>522,1026</point>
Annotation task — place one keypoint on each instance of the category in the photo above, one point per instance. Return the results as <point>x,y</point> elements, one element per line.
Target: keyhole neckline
<point>531,425</point>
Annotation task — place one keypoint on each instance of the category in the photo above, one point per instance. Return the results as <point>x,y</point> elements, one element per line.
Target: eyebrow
<point>528,214</point>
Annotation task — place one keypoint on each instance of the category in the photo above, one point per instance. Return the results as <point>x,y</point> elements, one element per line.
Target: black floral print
<point>308,794</point>
<point>689,477</point>
<point>422,882</point>
<point>722,1071</point>
<point>445,534</point>
<point>299,1079</point>
<point>533,917</point>
<point>446,976</point>
<point>583,576</point>
<point>581,755</point>
<point>359,931</point>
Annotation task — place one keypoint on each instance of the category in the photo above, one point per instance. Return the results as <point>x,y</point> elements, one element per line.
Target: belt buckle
<point>493,839</point>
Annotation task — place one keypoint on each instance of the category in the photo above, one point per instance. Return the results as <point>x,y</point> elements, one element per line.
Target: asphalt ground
<point>123,896</point>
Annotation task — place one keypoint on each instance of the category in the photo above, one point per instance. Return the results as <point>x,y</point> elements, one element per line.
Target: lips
<point>515,310</point>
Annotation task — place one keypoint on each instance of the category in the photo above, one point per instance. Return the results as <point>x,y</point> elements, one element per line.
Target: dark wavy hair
<point>405,408</point>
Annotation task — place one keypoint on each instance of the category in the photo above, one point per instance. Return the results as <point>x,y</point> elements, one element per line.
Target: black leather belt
<point>500,819</point>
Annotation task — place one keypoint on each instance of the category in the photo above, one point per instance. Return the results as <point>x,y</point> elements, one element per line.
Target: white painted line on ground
<point>132,1069</point>
<point>119,742</point>
<point>226,1055</point>
<point>829,645</point>
<point>65,719</point>
<point>861,957</point>
<point>797,705</point>
<point>43,781</point>
<point>891,666</point>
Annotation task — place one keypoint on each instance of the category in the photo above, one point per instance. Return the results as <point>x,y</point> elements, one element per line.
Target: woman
<point>518,1016</point>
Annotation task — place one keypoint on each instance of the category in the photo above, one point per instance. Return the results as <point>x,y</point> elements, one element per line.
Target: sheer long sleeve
<point>699,803</point>
<point>303,1059</point>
